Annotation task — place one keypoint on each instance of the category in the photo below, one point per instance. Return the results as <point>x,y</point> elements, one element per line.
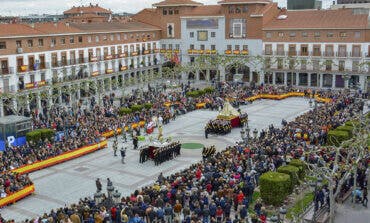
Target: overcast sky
<point>25,7</point>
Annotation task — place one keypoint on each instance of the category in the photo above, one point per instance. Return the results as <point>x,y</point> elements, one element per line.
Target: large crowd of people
<point>216,190</point>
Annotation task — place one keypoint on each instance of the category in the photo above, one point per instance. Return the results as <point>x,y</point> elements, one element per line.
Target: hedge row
<point>300,165</point>
<point>275,187</point>
<point>198,93</point>
<point>38,134</point>
<point>293,172</point>
<point>134,108</point>
<point>336,137</point>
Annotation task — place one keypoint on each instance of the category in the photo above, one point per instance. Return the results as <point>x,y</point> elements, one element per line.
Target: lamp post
<point>98,196</point>
<point>283,212</point>
<point>255,133</point>
<point>116,197</point>
<point>310,103</point>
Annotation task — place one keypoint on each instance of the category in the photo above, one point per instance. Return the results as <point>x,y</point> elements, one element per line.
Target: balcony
<point>267,52</point>
<point>279,53</point>
<point>228,52</point>
<point>355,54</point>
<point>342,54</point>
<point>315,53</point>
<point>22,68</point>
<point>292,53</point>
<point>35,85</point>
<point>6,71</point>
<point>303,53</point>
<point>328,54</point>
<point>237,36</point>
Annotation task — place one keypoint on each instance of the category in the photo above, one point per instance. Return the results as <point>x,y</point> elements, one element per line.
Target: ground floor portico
<point>71,92</point>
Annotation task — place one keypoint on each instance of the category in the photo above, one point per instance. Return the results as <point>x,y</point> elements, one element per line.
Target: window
<point>238,28</point>
<point>80,39</point>
<point>317,34</point>
<point>292,34</point>
<point>18,43</point>
<point>163,46</point>
<point>357,34</point>
<point>177,46</point>
<point>30,43</point>
<point>231,9</point>
<point>343,34</point>
<point>213,34</point>
<point>176,11</point>
<point>245,9</point>
<point>237,47</point>
<point>202,47</point>
<point>330,34</point>
<point>89,39</point>
<point>268,35</point>
<point>341,66</point>
<point>125,36</point>
<point>2,45</point>
<point>213,47</point>
<point>118,36</point>
<point>245,47</point>
<point>304,34</point>
<point>170,46</point>
<point>191,34</point>
<point>192,46</point>
<point>281,34</point>
<point>111,37</point>
<point>237,9</point>
<point>229,47</point>
<point>170,12</point>
<point>105,38</point>
<point>41,42</point>
<point>71,40</point>
<point>268,49</point>
<point>53,42</point>
<point>96,38</point>
<point>63,40</point>
<point>164,12</point>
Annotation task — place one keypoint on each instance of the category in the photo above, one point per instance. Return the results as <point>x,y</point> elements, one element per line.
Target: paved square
<point>66,183</point>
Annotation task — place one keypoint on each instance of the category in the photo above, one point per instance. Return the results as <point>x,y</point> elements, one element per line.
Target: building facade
<point>46,63</point>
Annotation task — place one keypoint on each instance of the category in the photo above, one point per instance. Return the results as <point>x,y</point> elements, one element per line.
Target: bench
<point>342,199</point>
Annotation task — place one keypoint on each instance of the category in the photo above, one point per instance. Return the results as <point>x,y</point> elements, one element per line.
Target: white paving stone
<point>69,181</point>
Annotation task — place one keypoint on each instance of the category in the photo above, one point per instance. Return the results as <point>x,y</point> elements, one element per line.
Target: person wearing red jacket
<point>219,214</point>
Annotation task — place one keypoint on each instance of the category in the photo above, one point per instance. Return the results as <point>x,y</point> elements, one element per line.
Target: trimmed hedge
<point>124,111</point>
<point>293,172</point>
<point>274,187</point>
<point>198,93</point>
<point>136,108</point>
<point>300,165</point>
<point>148,105</point>
<point>353,123</point>
<point>38,134</point>
<point>335,137</point>
<point>346,128</point>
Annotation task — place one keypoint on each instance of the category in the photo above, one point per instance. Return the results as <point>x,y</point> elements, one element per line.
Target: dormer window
<point>164,12</point>
<point>170,12</point>
<point>245,9</point>
<point>237,10</point>
<point>176,11</point>
<point>231,9</point>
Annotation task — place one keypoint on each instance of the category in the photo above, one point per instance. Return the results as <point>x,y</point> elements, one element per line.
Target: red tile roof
<point>55,28</point>
<point>319,19</point>
<point>244,1</point>
<point>177,3</point>
<point>87,10</point>
<point>18,30</point>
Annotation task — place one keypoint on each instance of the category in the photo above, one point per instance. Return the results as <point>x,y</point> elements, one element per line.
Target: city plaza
<point>238,50</point>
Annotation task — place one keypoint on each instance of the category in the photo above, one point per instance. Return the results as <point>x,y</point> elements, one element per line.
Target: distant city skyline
<point>26,7</point>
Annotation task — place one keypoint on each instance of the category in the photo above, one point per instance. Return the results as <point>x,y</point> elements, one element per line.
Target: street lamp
<point>98,196</point>
<point>116,197</point>
<point>283,212</point>
<point>255,133</point>
<point>310,103</point>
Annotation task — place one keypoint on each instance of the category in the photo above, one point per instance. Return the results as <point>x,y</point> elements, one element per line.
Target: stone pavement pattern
<point>66,183</point>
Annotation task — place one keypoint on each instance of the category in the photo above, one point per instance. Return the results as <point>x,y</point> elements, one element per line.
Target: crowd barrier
<point>12,198</point>
<point>60,158</point>
<point>287,95</point>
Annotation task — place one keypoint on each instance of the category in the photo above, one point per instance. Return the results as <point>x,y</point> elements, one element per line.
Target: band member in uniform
<point>123,154</point>
<point>115,147</point>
